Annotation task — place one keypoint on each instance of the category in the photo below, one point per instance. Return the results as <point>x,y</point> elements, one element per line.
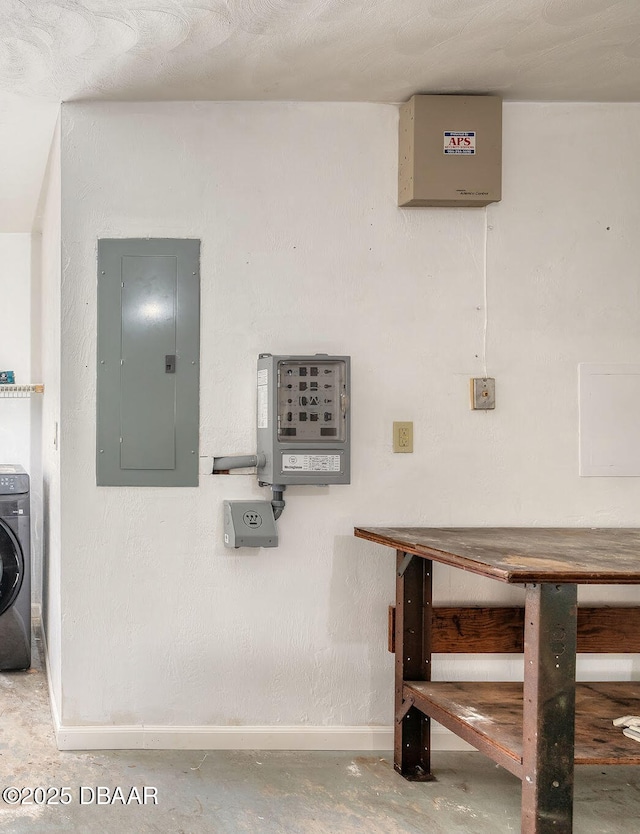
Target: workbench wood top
<point>518,555</point>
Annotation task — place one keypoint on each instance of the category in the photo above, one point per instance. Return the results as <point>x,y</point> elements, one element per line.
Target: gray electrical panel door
<point>148,362</point>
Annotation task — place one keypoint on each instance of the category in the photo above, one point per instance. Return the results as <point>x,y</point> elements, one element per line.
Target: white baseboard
<point>53,706</point>
<point>224,738</point>
<point>240,738</point>
<point>231,738</point>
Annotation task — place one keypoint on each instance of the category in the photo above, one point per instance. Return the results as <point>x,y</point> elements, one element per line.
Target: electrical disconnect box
<point>303,419</point>
<point>450,151</point>
<point>249,524</point>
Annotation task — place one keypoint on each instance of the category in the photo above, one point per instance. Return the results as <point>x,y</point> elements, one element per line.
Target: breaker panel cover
<point>148,362</point>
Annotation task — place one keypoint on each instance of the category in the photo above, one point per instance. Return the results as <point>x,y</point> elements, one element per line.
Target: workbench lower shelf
<point>488,716</point>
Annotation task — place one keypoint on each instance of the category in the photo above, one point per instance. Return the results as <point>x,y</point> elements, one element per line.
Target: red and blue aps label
<point>460,142</point>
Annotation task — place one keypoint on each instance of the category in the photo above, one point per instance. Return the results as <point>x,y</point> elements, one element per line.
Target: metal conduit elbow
<point>278,502</point>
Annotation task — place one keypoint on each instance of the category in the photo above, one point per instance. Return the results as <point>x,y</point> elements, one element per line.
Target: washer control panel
<point>13,480</point>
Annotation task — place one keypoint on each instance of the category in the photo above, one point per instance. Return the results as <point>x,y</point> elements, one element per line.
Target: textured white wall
<point>19,418</point>
<point>15,344</point>
<point>305,250</point>
<point>48,316</point>
<point>35,414</point>
<point>26,127</point>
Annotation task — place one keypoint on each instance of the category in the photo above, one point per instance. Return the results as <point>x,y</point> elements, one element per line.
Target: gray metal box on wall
<point>249,524</point>
<point>303,419</point>
<point>148,362</point>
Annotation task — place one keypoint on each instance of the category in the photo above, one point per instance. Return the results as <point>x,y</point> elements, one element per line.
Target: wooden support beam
<point>500,630</point>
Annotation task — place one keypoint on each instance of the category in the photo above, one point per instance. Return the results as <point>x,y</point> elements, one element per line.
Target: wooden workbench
<point>539,728</point>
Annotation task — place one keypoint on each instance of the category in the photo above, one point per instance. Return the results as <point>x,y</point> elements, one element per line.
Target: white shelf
<point>20,391</point>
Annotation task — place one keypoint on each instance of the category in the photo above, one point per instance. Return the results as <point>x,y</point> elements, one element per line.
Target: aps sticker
<point>460,142</point>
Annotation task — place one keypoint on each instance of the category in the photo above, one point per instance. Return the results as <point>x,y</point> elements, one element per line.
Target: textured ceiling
<point>371,50</point>
<point>379,50</point>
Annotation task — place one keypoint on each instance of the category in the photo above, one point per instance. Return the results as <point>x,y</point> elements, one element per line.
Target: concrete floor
<point>274,792</point>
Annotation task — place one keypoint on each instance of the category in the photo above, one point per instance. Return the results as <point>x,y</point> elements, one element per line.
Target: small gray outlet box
<point>303,419</point>
<point>249,524</point>
<point>483,393</point>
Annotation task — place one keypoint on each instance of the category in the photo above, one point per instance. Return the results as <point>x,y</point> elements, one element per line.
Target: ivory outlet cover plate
<point>403,437</point>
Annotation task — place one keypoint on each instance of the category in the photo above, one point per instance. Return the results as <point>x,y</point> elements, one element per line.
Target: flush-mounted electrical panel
<point>450,151</point>
<point>303,419</point>
<point>148,362</point>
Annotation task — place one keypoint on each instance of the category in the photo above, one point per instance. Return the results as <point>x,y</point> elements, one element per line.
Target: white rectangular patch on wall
<point>609,409</point>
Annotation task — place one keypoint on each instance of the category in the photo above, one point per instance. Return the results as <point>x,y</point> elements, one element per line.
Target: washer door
<point>11,567</point>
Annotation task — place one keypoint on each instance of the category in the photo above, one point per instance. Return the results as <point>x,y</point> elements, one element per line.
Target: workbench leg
<point>412,747</point>
<point>549,708</point>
